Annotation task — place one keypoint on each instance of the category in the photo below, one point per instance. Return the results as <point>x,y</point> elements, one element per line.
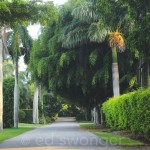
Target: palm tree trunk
<point>35,107</point>
<point>16,97</point>
<point>41,102</point>
<point>96,117</point>
<point>1,83</point>
<point>115,73</point>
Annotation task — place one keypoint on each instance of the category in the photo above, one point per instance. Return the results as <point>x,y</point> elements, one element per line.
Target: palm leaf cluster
<point>116,40</point>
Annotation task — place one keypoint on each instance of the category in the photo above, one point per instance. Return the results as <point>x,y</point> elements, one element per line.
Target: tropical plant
<point>19,36</point>
<point>8,68</point>
<point>64,44</point>
<point>9,15</point>
<point>117,43</point>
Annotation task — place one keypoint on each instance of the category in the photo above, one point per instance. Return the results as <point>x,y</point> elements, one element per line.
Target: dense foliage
<point>72,58</point>
<point>130,111</point>
<point>23,11</point>
<point>26,115</point>
<point>8,89</point>
<point>50,108</point>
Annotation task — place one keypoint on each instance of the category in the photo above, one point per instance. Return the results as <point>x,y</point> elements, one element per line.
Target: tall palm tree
<point>3,50</point>
<point>18,44</point>
<point>86,26</point>
<point>117,43</point>
<point>1,84</point>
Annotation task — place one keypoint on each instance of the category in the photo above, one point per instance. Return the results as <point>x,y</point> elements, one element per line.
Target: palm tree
<point>86,27</point>
<point>117,43</point>
<point>3,50</point>
<point>1,84</point>
<point>18,43</point>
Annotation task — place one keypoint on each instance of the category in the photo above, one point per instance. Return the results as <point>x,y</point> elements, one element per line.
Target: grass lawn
<point>12,132</point>
<point>109,137</point>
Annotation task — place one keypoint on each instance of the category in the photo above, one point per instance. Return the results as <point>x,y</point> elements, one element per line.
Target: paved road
<point>64,134</point>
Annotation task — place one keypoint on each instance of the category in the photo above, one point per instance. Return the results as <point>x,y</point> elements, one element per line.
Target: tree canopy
<point>72,57</point>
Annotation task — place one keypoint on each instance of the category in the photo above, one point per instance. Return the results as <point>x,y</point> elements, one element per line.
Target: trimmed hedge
<point>8,98</point>
<point>130,111</point>
<point>28,118</point>
<point>21,115</point>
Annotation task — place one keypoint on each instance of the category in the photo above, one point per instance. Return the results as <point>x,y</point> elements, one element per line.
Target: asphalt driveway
<point>65,133</point>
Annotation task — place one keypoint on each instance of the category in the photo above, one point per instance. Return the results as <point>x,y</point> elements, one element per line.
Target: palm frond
<point>71,26</point>
<point>86,12</point>
<point>75,37</point>
<point>93,57</point>
<point>98,32</point>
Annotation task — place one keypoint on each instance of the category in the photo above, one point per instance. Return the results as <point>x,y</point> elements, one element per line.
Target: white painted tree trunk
<point>115,74</point>
<point>1,83</point>
<point>35,107</point>
<point>96,120</point>
<point>16,101</point>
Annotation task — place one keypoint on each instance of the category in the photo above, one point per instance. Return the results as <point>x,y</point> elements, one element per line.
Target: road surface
<point>64,134</point>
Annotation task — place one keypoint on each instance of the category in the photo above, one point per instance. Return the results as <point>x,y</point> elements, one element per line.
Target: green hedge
<point>130,111</point>
<point>21,115</point>
<point>26,115</point>
<point>8,98</point>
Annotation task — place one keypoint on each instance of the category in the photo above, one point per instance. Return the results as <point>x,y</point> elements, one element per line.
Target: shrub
<point>8,98</point>
<point>28,116</point>
<point>48,112</point>
<point>21,115</point>
<point>130,111</point>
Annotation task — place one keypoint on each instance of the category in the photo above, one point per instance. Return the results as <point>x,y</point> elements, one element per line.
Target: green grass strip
<point>109,137</point>
<point>117,139</point>
<point>12,132</point>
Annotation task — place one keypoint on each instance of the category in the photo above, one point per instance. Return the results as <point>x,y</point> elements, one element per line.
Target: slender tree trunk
<point>1,83</point>
<point>115,73</point>
<point>35,107</point>
<point>41,102</point>
<point>16,101</point>
<point>96,117</point>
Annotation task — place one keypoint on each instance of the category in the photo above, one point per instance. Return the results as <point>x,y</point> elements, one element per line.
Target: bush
<point>28,116</point>
<point>8,98</point>
<point>48,112</point>
<point>21,115</point>
<point>130,111</point>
